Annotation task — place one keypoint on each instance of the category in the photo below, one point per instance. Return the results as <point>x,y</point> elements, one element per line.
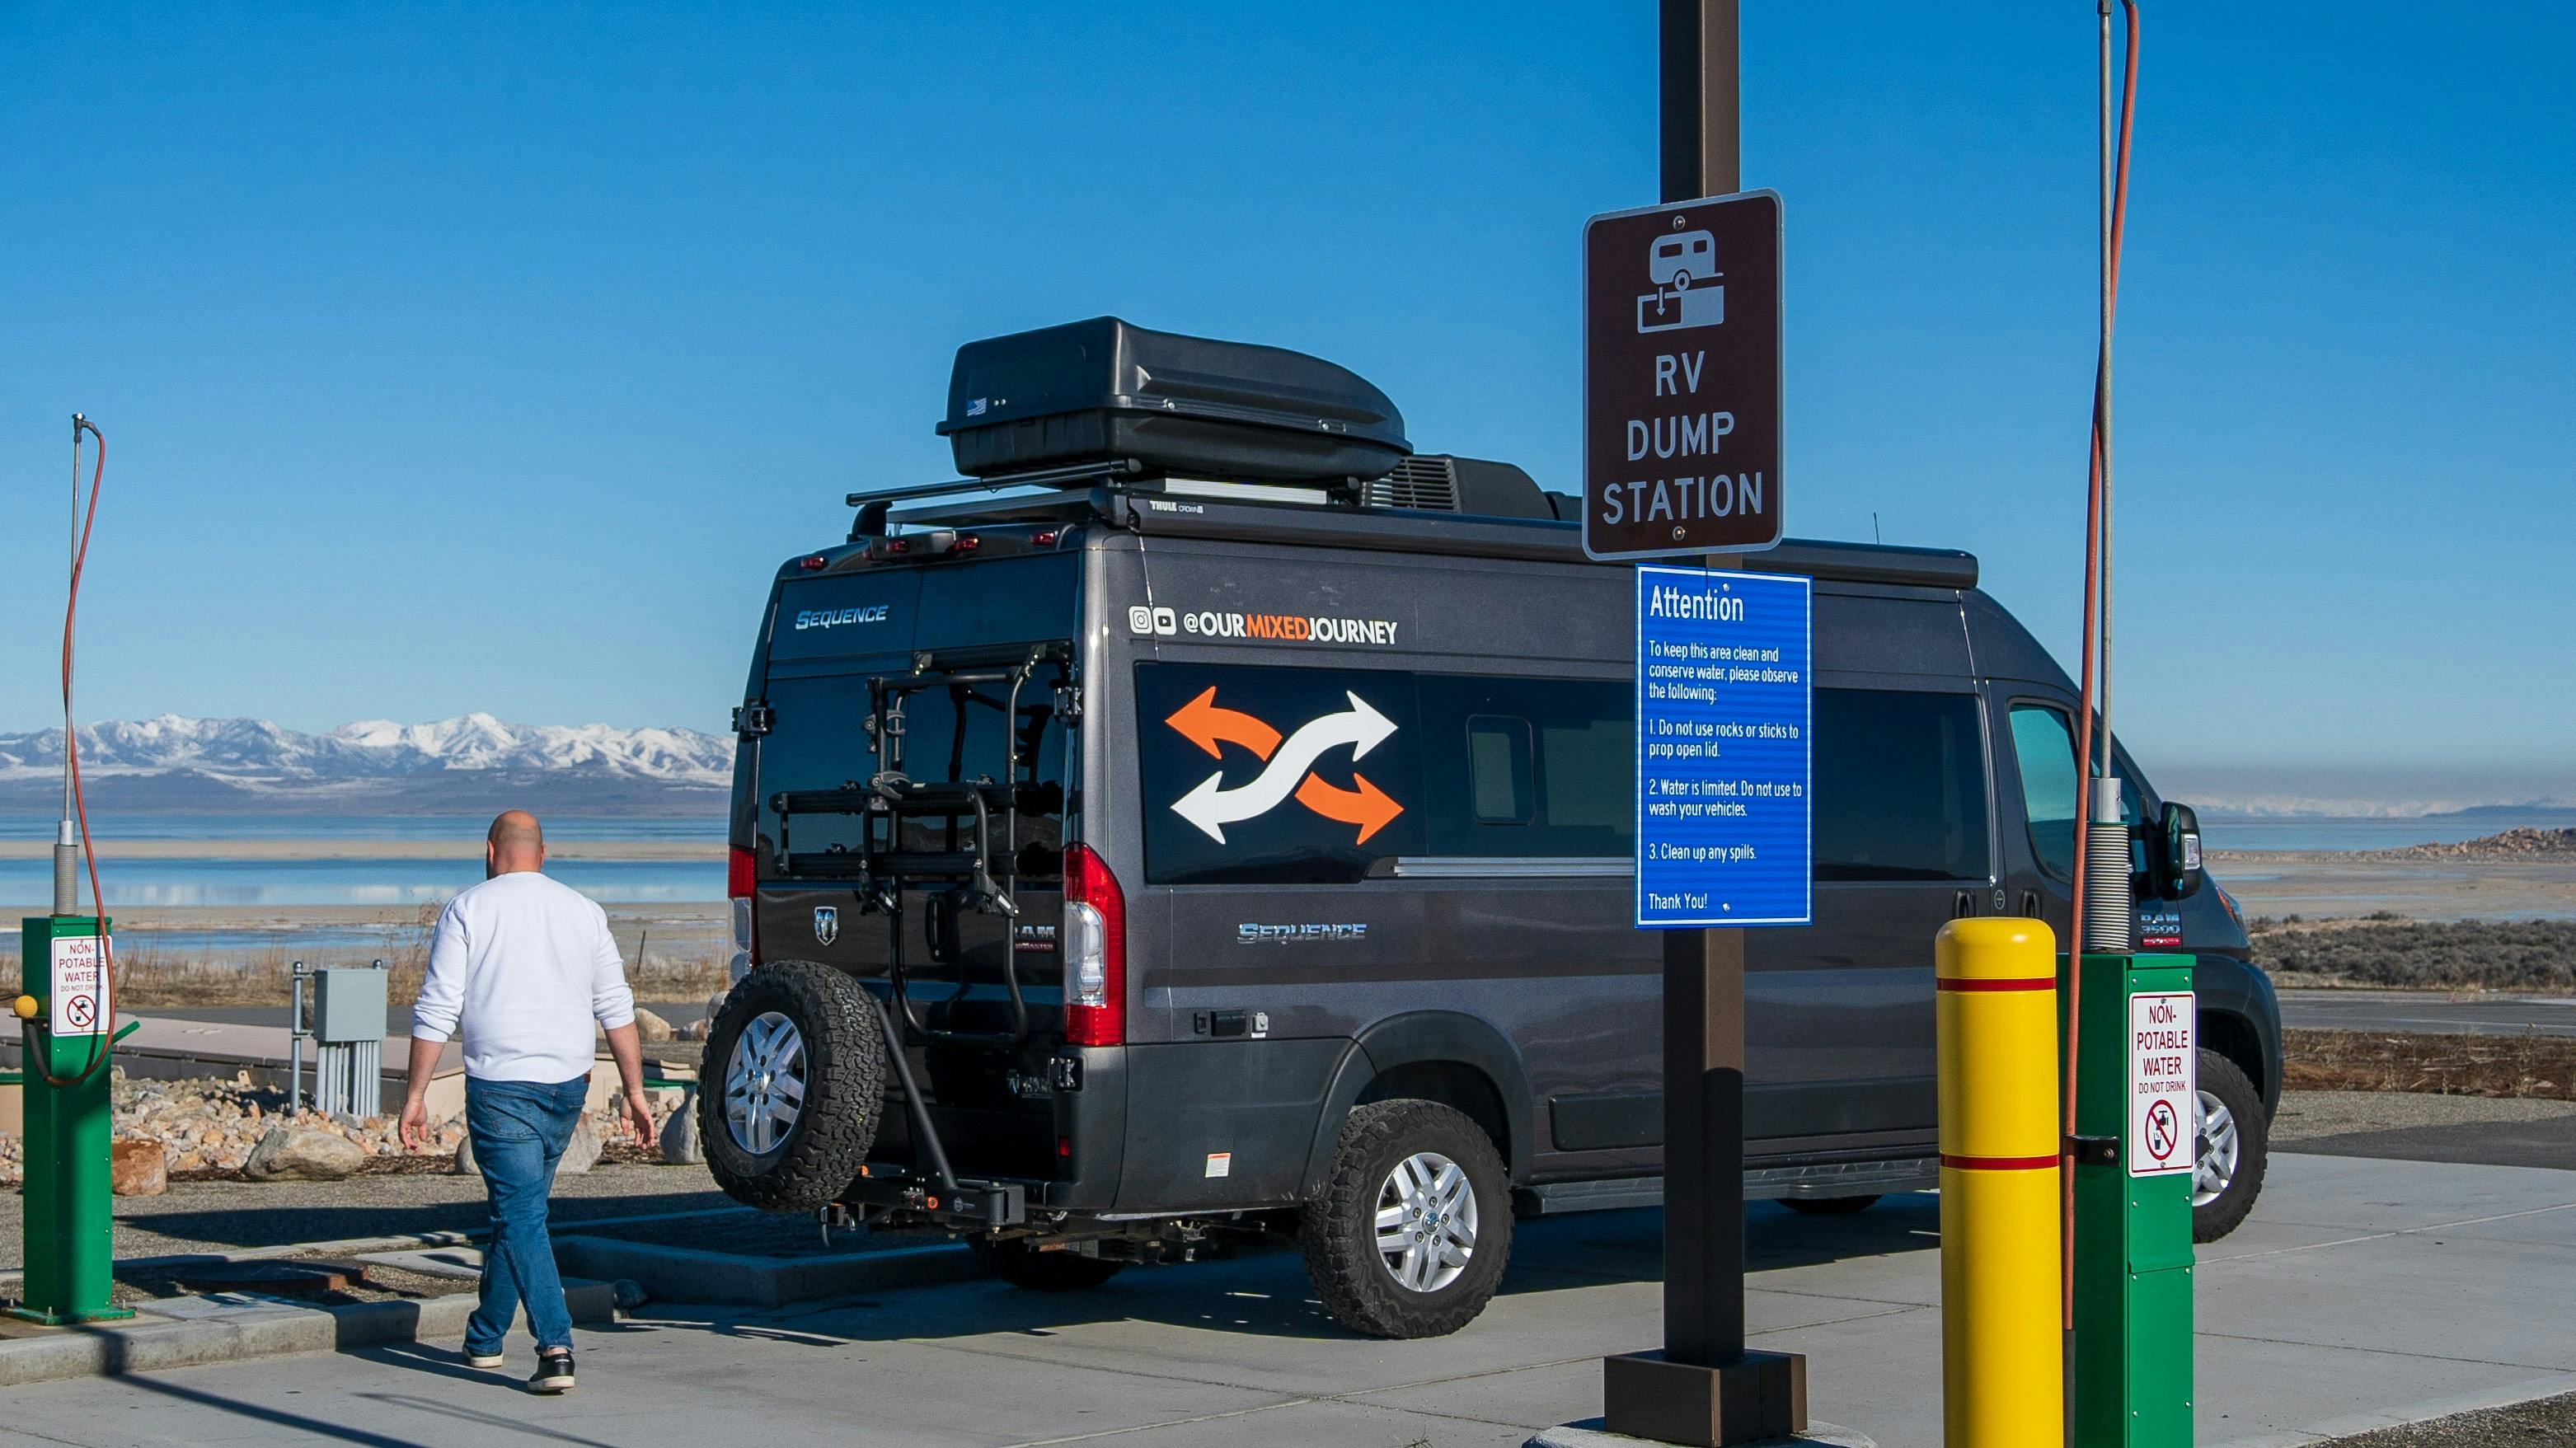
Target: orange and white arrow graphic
<point>1212,806</point>
<point>1366,805</point>
<point>1205,724</point>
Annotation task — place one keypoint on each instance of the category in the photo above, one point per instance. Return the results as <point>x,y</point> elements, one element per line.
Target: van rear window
<point>944,605</point>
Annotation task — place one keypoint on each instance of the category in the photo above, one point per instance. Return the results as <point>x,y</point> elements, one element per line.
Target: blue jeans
<point>519,1130</point>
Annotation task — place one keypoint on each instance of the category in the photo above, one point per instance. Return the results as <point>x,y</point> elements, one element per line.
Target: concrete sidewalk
<point>2362,1291</point>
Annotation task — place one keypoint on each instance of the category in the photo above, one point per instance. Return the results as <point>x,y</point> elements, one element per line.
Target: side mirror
<point>2176,852</point>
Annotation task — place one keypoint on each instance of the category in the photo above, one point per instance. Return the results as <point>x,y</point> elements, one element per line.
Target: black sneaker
<point>475,1359</point>
<point>553,1374</point>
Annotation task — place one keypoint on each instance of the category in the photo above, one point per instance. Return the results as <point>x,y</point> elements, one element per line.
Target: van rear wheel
<point>1414,1225</point>
<point>793,1083</point>
<point>1022,1265</point>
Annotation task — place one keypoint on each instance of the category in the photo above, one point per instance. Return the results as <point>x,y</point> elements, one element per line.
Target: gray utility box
<point>348,1005</point>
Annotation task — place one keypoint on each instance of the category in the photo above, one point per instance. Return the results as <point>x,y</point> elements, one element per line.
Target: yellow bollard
<point>2003,1377</point>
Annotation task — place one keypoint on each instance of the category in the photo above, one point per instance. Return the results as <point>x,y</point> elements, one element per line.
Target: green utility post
<point>69,1222</point>
<point>2136,1144</point>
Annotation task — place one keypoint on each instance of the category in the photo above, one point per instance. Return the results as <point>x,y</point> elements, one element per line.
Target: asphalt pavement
<point>2361,1292</point>
<point>2429,1012</point>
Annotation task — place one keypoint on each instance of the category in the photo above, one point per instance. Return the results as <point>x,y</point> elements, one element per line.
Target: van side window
<point>1900,786</point>
<point>2044,748</point>
<point>1528,768</point>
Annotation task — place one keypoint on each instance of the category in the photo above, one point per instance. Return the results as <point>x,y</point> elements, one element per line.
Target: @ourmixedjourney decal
<point>1287,765</point>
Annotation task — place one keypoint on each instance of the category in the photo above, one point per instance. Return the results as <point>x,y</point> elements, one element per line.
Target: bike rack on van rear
<point>979,876</point>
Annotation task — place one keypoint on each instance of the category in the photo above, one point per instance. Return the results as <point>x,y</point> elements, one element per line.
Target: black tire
<point>1339,1229</point>
<point>843,1065</point>
<point>1022,1265</point>
<point>1830,1206</point>
<point>2218,1216</point>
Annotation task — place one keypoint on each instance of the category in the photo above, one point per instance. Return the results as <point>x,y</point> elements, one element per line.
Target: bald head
<point>513,843</point>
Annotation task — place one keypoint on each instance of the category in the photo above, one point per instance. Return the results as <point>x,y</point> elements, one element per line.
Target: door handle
<point>2030,904</point>
<point>1963,905</point>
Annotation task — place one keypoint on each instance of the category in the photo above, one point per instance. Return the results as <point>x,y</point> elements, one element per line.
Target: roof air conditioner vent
<point>1427,480</point>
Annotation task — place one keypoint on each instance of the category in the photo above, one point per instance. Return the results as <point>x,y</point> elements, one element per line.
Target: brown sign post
<point>1681,378</point>
<point>1658,357</point>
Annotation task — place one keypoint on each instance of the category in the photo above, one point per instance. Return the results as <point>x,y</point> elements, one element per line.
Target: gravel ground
<point>2546,1423</point>
<point>2307,1115</point>
<point>216,1216</point>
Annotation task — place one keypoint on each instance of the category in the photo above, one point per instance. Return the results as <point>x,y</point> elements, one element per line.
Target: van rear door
<point>952,672</point>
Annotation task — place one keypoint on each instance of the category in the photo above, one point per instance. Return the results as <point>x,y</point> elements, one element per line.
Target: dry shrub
<point>2389,951</point>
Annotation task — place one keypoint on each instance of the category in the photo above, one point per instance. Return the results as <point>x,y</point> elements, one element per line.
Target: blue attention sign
<point>1725,757</point>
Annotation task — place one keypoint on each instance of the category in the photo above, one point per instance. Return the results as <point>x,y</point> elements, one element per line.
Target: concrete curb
<point>686,1274</point>
<point>183,1332</point>
<point>12,1279</point>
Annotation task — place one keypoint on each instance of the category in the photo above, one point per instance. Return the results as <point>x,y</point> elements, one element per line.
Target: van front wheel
<point>1414,1225</point>
<point>2231,1147</point>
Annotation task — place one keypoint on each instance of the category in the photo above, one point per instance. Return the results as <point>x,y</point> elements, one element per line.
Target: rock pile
<point>232,1126</point>
<point>221,1124</point>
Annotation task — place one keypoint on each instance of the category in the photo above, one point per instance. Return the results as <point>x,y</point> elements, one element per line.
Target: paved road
<point>2428,1012</point>
<point>2549,1142</point>
<point>2361,1291</point>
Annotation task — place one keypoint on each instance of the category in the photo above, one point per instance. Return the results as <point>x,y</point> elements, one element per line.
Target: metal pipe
<point>296,976</point>
<point>66,846</point>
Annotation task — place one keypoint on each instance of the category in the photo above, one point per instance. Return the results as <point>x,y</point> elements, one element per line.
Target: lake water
<point>464,828</point>
<point>29,884</point>
<point>215,880</point>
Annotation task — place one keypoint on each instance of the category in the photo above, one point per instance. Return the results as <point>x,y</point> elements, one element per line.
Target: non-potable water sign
<point>1725,748</point>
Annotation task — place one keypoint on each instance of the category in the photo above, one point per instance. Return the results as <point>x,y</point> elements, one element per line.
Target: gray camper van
<point>1198,847</point>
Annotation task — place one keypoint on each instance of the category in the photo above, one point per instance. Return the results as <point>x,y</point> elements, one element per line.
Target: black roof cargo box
<point>1103,390</point>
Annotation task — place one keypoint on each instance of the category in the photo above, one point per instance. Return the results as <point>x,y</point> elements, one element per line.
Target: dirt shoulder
<point>2525,1067</point>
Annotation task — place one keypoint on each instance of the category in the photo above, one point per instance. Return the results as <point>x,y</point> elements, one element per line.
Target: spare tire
<point>792,1086</point>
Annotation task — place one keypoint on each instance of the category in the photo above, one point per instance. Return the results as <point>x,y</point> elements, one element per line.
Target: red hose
<point>71,762</point>
<point>2084,721</point>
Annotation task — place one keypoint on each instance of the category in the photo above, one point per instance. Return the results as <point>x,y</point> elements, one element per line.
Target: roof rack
<point>1433,504</point>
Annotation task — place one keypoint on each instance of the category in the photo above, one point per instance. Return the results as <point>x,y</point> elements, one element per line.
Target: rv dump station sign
<point>1681,378</point>
<point>2164,1084</point>
<point>1725,748</point>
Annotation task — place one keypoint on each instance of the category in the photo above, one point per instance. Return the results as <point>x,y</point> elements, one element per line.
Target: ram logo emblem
<point>827,924</point>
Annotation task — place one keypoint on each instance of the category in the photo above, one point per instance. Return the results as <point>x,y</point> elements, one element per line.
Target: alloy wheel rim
<point>1426,1222</point>
<point>765,1083</point>
<point>2214,1164</point>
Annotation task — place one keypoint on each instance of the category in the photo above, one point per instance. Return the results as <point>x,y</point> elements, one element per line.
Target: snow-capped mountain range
<point>172,756</point>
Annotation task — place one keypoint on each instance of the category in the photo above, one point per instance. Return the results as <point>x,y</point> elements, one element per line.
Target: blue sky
<point>488,357</point>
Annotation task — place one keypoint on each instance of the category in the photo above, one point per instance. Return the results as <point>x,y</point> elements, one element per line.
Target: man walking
<point>520,966</point>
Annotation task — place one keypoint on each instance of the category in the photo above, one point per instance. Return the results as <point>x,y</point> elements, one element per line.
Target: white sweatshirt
<point>523,965</point>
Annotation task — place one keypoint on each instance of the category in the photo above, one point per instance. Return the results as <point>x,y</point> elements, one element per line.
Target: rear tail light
<point>742,874</point>
<point>1094,945</point>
